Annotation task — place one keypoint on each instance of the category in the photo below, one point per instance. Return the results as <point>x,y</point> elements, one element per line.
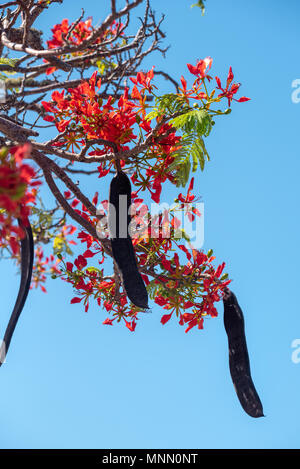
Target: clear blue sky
<point>70,382</point>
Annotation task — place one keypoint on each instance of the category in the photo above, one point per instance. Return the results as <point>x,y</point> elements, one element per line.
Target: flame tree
<point>86,85</point>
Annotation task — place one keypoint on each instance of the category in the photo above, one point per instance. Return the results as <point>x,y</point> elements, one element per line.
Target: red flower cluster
<point>81,32</point>
<point>90,283</point>
<point>161,151</point>
<point>186,203</point>
<point>43,265</point>
<point>231,89</point>
<point>93,119</point>
<point>177,277</point>
<point>17,191</point>
<point>177,286</point>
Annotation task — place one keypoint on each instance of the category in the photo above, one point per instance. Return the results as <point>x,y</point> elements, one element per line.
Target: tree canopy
<point>86,84</point>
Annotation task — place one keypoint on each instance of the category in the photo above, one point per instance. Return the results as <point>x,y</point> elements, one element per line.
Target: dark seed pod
<point>239,363</point>
<point>27,254</point>
<point>121,243</point>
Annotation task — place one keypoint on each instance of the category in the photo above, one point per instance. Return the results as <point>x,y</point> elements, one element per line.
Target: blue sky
<point>70,382</point>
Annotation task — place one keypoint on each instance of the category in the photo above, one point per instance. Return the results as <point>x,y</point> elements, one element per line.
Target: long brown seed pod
<point>27,255</point>
<point>239,363</point>
<point>121,242</point>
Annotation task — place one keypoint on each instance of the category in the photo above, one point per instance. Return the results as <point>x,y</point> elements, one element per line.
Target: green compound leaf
<point>191,153</point>
<point>197,120</point>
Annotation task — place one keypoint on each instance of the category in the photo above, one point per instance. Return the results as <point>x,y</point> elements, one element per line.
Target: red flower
<point>166,318</point>
<point>144,79</point>
<point>130,325</point>
<point>188,304</point>
<point>201,68</point>
<point>231,89</point>
<point>76,300</point>
<point>188,317</point>
<point>95,198</point>
<point>188,198</point>
<point>184,84</point>
<point>88,253</point>
<point>80,262</point>
<point>74,203</point>
<point>17,191</point>
<point>156,190</point>
<point>108,322</point>
<point>192,324</point>
<point>160,300</point>
<point>145,278</point>
<point>184,249</point>
<point>166,264</point>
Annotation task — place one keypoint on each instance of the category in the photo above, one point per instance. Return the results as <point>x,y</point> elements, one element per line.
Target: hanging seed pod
<point>27,255</point>
<point>121,243</point>
<point>238,356</point>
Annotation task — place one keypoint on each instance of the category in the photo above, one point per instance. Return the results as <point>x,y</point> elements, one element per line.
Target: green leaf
<point>194,124</point>
<point>11,63</point>
<point>196,120</point>
<point>152,115</point>
<point>191,153</point>
<point>170,103</point>
<point>93,269</point>
<point>199,4</point>
<point>224,277</point>
<point>57,245</point>
<point>3,152</point>
<point>152,289</point>
<point>6,61</point>
<point>195,162</point>
<point>197,152</point>
<point>181,233</point>
<point>101,67</point>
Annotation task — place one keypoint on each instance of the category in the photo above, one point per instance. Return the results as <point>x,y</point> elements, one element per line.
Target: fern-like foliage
<point>191,152</point>
<point>152,289</point>
<point>197,120</point>
<point>194,124</point>
<point>165,105</point>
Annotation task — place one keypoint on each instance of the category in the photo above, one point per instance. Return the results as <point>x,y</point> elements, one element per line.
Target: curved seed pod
<point>238,356</point>
<point>27,255</point>
<point>121,243</point>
